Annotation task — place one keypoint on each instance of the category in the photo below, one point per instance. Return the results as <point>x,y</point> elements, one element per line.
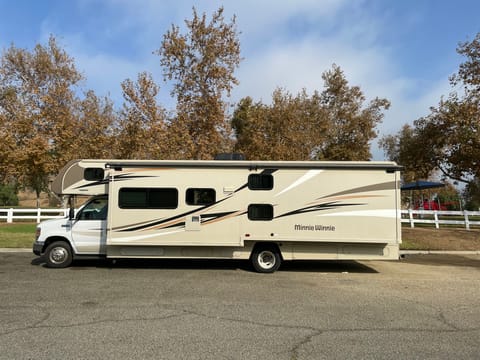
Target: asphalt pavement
<point>421,307</point>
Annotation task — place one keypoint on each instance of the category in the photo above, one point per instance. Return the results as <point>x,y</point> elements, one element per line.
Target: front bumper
<point>37,248</point>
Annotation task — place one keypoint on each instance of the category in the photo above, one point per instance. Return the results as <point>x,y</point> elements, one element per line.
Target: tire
<point>266,258</point>
<point>58,255</point>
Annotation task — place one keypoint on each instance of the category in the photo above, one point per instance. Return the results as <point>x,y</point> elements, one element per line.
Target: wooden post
<point>467,222</point>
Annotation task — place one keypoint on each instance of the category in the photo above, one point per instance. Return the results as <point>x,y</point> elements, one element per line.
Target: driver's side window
<point>95,210</point>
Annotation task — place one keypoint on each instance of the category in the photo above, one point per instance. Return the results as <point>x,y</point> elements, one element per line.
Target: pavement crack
<point>38,325</point>
<point>297,346</point>
<point>250,322</point>
<point>451,328</point>
<point>43,319</point>
<point>438,314</point>
<point>445,321</point>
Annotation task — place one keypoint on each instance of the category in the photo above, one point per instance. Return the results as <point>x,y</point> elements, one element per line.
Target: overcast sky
<point>401,50</point>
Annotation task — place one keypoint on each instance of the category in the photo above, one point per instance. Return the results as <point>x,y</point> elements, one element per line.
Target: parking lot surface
<point>422,307</point>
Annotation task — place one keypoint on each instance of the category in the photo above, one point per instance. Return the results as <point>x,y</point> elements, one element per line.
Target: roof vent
<point>230,156</point>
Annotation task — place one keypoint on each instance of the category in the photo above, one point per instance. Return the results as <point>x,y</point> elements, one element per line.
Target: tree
<point>332,125</point>
<point>351,124</point>
<point>471,195</point>
<point>448,139</point>
<point>289,129</point>
<point>449,197</point>
<point>142,128</point>
<point>450,136</point>
<point>405,148</point>
<point>201,64</point>
<point>37,95</point>
<point>94,127</point>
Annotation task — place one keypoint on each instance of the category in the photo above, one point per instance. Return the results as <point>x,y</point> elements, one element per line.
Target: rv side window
<point>260,182</point>
<point>148,198</point>
<point>200,196</point>
<point>260,212</point>
<point>93,174</point>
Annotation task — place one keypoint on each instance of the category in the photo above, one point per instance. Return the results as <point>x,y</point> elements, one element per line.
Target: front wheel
<point>266,259</point>
<point>58,255</point>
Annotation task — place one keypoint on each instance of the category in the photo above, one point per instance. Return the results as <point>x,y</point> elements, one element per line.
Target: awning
<point>421,184</point>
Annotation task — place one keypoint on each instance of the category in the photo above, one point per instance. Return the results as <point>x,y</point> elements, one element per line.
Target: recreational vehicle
<point>263,211</point>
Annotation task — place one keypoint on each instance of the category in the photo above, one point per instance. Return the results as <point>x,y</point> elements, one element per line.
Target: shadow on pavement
<point>326,266</point>
<point>321,266</point>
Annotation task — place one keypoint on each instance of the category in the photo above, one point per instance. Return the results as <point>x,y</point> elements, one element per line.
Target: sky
<point>404,51</point>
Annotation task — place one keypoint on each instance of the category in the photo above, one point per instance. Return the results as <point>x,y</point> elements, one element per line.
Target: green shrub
<point>8,195</point>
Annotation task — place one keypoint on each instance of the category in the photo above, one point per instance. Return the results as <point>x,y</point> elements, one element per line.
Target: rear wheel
<point>266,258</point>
<point>58,255</point>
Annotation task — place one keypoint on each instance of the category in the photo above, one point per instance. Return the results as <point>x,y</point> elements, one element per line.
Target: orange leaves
<point>335,124</point>
<point>36,111</point>
<point>201,64</point>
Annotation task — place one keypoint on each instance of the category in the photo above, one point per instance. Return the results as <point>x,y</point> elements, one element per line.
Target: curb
<point>439,252</point>
<point>15,250</point>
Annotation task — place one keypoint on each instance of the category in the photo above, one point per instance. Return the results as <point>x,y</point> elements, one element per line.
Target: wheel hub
<point>58,255</point>
<point>266,259</point>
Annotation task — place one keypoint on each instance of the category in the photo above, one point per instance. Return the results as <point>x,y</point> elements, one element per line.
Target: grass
<point>445,238</point>
<point>20,235</point>
<point>413,244</point>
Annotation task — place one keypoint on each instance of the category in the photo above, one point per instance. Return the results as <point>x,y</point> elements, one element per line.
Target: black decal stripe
<point>309,209</point>
<point>121,177</point>
<point>322,207</point>
<point>206,218</point>
<point>179,225</point>
<point>241,187</point>
<point>124,228</point>
<point>163,221</point>
<point>101,182</point>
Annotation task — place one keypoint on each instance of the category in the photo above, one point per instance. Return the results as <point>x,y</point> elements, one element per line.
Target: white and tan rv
<point>265,211</point>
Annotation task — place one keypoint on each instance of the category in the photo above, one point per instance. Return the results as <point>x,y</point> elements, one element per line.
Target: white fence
<point>438,218</point>
<point>412,217</point>
<point>10,215</point>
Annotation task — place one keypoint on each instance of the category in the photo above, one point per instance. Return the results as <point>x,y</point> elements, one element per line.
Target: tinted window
<point>260,212</point>
<point>260,182</point>
<point>200,196</point>
<point>93,174</point>
<point>96,209</point>
<point>148,198</point>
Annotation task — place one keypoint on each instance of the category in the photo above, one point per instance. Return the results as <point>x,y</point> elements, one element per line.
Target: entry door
<point>89,229</point>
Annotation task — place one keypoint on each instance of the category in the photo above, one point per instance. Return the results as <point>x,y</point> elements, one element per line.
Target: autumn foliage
<point>447,140</point>
<point>47,119</point>
<point>334,124</point>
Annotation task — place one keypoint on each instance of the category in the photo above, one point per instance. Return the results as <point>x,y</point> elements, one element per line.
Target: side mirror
<point>71,213</point>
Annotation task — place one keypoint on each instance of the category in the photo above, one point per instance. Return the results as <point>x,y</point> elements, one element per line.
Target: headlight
<point>37,233</point>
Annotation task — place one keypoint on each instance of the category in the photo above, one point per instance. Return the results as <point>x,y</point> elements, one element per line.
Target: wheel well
<point>52,240</point>
<point>267,245</point>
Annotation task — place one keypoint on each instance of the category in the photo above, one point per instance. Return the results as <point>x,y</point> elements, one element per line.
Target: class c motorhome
<point>264,211</point>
